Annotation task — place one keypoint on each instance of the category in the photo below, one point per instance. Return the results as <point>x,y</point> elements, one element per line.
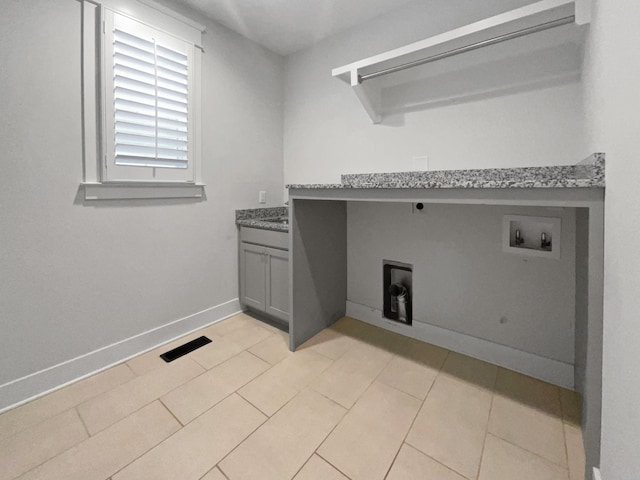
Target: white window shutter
<point>148,104</point>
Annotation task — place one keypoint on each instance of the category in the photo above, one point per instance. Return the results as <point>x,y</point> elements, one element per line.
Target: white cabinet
<point>264,272</point>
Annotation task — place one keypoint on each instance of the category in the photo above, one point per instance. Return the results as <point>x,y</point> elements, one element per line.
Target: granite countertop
<point>255,218</point>
<point>586,174</point>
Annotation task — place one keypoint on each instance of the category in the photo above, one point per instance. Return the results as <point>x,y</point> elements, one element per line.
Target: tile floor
<point>355,402</point>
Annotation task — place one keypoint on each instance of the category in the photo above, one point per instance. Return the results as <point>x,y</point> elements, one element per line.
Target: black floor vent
<point>182,350</point>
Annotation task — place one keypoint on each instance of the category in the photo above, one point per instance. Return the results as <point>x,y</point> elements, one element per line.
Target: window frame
<point>96,182</point>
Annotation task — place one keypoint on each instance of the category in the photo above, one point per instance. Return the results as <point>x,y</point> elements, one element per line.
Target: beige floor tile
<point>318,469</point>
<point>229,325</point>
<point>213,354</point>
<point>375,427</point>
<point>194,450</point>
<point>61,400</point>
<point>35,445</point>
<point>104,454</point>
<point>278,449</point>
<point>271,390</point>
<point>273,328</point>
<point>570,403</point>
<point>575,452</point>
<point>529,428</point>
<point>370,335</point>
<point>470,370</point>
<point>504,461</point>
<point>108,408</point>
<point>201,393</point>
<point>273,349</point>
<point>526,412</point>
<point>151,360</point>
<point>330,343</point>
<point>248,335</point>
<point>452,423</point>
<point>351,374</point>
<point>214,474</point>
<point>530,391</point>
<point>414,370</point>
<point>410,464</point>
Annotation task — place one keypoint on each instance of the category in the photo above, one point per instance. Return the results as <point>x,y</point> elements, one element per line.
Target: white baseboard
<point>552,371</point>
<point>596,474</point>
<point>39,383</point>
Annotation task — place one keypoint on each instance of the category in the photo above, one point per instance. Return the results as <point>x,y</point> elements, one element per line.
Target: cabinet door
<point>252,276</point>
<point>277,299</point>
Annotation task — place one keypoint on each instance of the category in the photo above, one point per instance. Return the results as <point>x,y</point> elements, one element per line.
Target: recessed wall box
<point>397,291</point>
<point>532,236</point>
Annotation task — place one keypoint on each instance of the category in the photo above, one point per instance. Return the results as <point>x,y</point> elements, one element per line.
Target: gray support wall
<point>582,299</point>
<point>318,256</point>
<point>592,398</point>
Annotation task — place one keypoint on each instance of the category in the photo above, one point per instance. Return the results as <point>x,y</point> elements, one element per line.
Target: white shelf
<point>543,58</point>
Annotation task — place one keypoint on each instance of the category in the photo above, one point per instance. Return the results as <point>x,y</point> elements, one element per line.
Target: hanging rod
<point>475,46</point>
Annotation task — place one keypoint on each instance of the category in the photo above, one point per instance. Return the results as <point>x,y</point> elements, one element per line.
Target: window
<point>148,92</point>
<point>141,101</point>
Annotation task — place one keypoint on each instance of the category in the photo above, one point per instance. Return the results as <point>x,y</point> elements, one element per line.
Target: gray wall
<point>612,69</point>
<point>74,277</point>
<point>462,279</point>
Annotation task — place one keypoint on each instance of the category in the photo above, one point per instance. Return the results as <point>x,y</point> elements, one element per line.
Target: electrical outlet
<point>420,164</point>
<point>262,196</point>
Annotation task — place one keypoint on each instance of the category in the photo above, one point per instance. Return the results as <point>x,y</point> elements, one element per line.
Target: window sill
<point>137,191</point>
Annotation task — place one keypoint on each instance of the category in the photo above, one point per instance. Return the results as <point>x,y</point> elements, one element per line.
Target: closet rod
<point>475,46</point>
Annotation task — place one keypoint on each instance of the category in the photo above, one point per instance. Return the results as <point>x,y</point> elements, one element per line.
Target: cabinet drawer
<point>268,238</point>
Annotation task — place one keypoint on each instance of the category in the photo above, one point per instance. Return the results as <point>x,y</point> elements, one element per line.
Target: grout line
<point>237,446</point>
<point>146,451</point>
<point>437,461</point>
<point>237,392</point>
<point>486,431</point>
<point>182,425</point>
<point>75,404</point>
<point>303,464</point>
<point>288,401</point>
<point>129,366</point>
<point>222,399</point>
<point>323,355</point>
<point>564,467</point>
<point>258,427</point>
<point>20,475</point>
<point>82,421</point>
<point>271,365</point>
<point>404,439</point>
<point>149,402</point>
<point>341,472</point>
<point>564,432</point>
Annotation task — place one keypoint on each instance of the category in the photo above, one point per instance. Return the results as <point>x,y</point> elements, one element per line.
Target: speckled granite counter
<point>586,174</point>
<point>255,218</point>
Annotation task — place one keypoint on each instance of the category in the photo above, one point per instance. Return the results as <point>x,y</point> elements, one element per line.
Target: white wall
<point>327,132</point>
<point>613,102</point>
<point>462,279</point>
<point>76,277</point>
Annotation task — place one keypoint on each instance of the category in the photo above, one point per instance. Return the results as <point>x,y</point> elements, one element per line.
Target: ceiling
<point>286,26</point>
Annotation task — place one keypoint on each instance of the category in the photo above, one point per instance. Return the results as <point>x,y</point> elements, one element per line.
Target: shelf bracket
<point>583,12</point>
<point>369,96</point>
